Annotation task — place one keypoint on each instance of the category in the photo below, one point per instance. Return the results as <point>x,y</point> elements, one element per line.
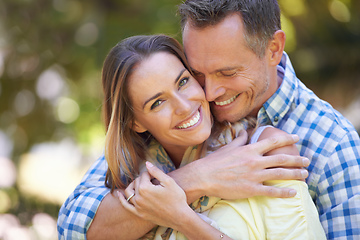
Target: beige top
<point>252,218</point>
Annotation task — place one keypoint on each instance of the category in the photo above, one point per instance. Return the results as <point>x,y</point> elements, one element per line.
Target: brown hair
<point>125,148</point>
<point>261,18</point>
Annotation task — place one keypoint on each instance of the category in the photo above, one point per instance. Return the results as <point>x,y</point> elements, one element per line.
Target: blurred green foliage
<point>72,38</point>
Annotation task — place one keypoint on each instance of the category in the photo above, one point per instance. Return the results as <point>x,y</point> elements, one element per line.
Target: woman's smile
<point>193,120</point>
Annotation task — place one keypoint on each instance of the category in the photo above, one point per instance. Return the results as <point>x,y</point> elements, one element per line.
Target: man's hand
<point>237,171</point>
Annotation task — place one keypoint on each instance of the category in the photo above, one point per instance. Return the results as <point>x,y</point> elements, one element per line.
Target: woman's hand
<point>163,204</point>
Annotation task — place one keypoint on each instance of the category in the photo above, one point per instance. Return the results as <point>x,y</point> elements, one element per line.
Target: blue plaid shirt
<point>326,138</point>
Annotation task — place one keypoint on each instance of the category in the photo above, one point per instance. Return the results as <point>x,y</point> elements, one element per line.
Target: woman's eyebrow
<point>181,73</point>
<point>159,94</point>
<point>150,99</point>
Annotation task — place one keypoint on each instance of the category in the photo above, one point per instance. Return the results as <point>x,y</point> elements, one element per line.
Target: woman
<point>156,110</point>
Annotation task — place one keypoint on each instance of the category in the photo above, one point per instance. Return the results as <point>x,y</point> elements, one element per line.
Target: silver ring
<point>128,199</point>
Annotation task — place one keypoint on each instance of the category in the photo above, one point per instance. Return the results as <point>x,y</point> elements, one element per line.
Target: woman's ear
<point>137,127</point>
<point>276,47</point>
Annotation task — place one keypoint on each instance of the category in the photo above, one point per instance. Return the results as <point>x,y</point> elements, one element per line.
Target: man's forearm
<point>112,221</point>
<point>235,171</point>
<point>190,180</point>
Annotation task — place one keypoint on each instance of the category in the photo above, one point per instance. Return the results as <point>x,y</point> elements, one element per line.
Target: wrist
<point>192,180</point>
<point>194,227</point>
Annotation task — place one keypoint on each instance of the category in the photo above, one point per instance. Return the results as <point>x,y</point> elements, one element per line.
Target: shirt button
<point>276,119</point>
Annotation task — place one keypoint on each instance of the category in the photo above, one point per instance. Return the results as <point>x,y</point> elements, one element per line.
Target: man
<point>236,57</point>
<point>242,74</point>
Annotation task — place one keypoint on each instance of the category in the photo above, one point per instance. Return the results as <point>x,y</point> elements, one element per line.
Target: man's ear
<point>137,127</point>
<point>276,47</point>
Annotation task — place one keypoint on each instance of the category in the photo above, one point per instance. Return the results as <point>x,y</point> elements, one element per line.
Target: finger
<point>145,183</point>
<point>145,177</point>
<point>130,189</point>
<point>126,204</point>
<point>137,185</point>
<point>284,160</point>
<point>283,174</point>
<point>274,142</point>
<point>241,139</point>
<point>277,192</point>
<point>129,197</point>
<point>156,173</point>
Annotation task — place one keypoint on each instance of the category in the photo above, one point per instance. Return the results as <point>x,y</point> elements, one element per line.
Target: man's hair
<point>261,18</point>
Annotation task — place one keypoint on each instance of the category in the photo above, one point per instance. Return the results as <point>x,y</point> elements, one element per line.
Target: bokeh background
<point>51,52</point>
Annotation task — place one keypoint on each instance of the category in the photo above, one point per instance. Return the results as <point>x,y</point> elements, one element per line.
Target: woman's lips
<point>190,122</point>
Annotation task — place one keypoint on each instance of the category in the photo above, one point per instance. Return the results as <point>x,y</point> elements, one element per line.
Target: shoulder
<point>268,132</point>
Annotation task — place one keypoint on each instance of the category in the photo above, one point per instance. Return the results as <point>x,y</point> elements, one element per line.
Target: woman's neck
<point>176,155</point>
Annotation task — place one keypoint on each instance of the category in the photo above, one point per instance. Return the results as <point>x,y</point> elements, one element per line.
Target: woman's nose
<point>182,105</point>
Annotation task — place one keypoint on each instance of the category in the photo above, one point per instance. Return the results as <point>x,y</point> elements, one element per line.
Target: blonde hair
<point>250,125</point>
<point>125,148</point>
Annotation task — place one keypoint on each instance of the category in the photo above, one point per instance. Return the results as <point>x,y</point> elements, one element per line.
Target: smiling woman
<point>172,106</point>
<point>154,96</point>
<point>153,103</point>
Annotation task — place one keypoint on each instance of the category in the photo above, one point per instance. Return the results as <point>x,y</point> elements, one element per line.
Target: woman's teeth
<point>192,122</point>
<point>227,101</point>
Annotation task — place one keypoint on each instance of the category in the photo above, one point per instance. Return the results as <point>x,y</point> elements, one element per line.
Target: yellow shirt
<point>251,218</point>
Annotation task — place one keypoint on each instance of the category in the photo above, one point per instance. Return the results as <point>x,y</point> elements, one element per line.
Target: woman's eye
<point>155,104</point>
<point>183,81</point>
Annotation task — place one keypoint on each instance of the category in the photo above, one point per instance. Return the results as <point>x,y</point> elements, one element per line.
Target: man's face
<point>235,80</point>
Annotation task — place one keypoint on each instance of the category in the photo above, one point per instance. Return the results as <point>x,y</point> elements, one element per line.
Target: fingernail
<point>304,173</point>
<point>149,164</point>
<point>292,192</point>
<point>295,137</point>
<point>306,162</point>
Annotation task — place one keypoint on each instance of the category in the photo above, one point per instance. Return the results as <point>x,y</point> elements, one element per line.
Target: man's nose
<point>213,89</point>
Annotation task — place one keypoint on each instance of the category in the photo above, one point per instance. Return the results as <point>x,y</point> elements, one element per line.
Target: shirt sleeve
<point>338,190</point>
<point>257,133</point>
<point>78,211</point>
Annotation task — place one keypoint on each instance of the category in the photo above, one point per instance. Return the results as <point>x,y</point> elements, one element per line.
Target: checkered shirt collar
<point>277,106</point>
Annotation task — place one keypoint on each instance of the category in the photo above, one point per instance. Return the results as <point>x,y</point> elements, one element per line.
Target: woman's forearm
<point>113,221</point>
<point>194,228</point>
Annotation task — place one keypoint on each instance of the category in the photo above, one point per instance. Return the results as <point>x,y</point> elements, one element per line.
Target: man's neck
<point>279,80</point>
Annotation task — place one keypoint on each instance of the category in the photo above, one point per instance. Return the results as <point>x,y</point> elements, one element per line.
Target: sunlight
<point>288,27</point>
<point>352,113</point>
<point>67,110</point>
<point>7,173</point>
<point>339,11</point>
<point>50,85</point>
<point>294,7</point>
<point>45,226</point>
<point>5,202</point>
<point>51,170</point>
<point>6,144</point>
<point>24,102</point>
<point>87,34</point>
